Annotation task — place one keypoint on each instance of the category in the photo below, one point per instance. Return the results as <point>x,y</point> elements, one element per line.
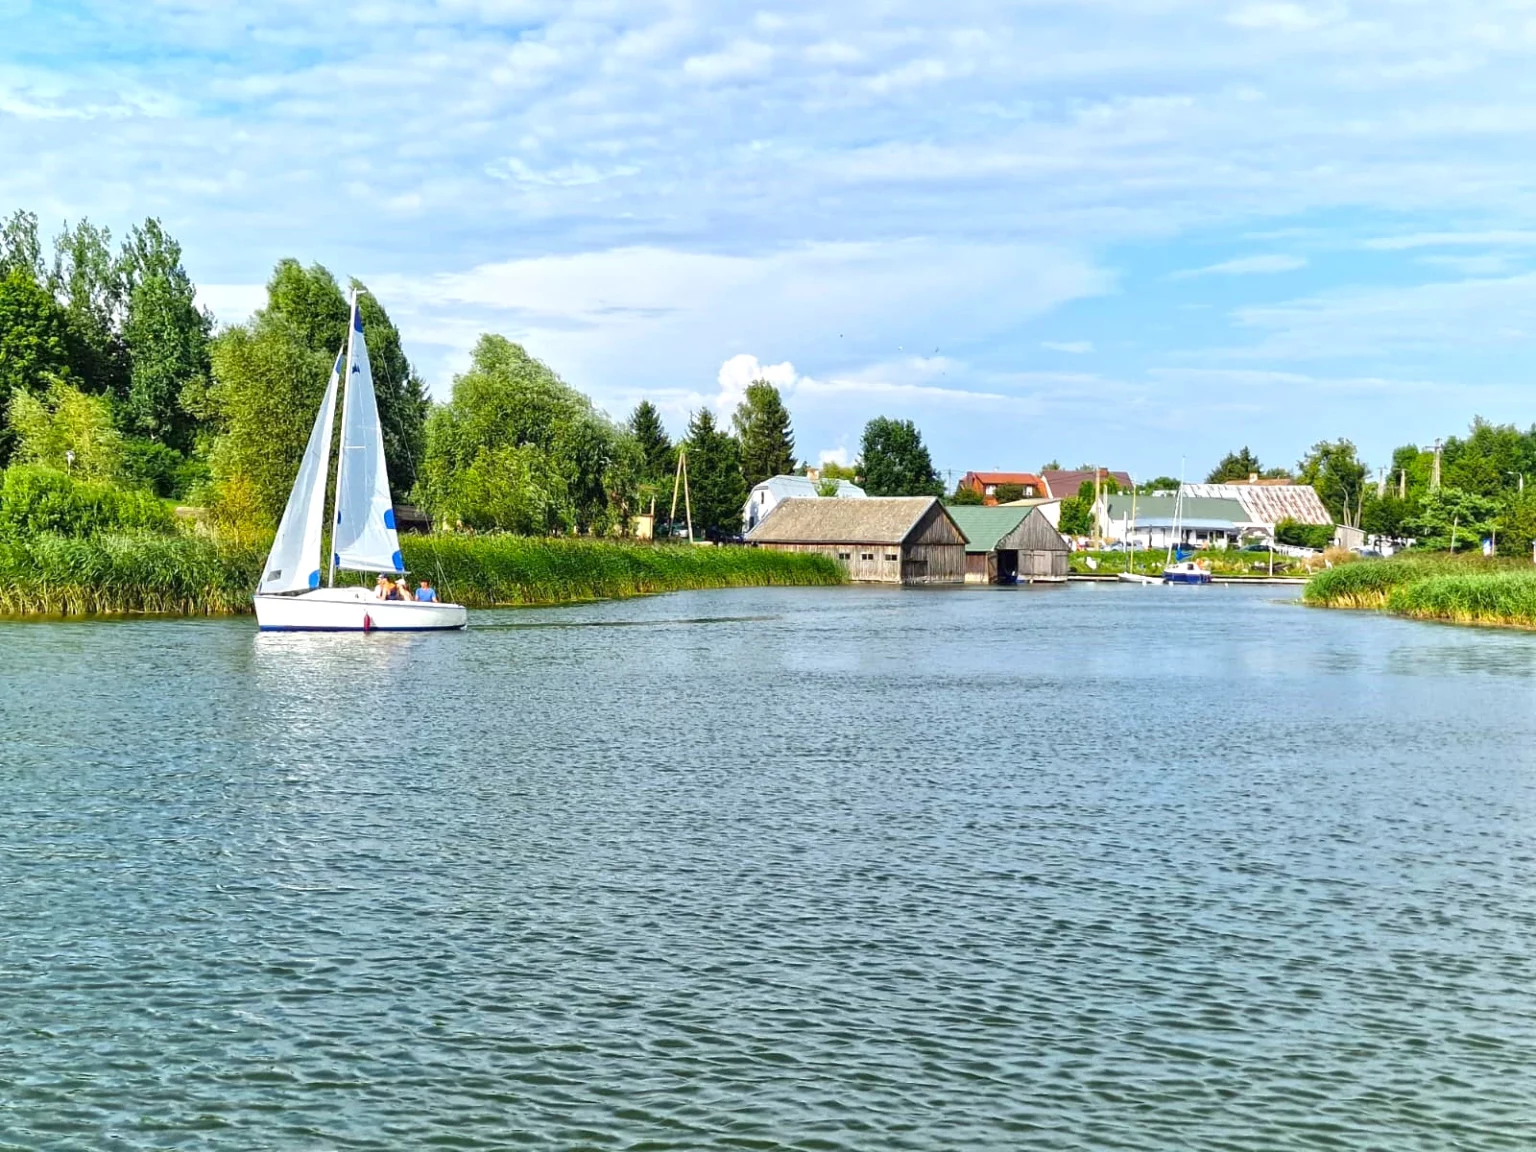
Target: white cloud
<point>1245,266</point>
<point>742,59</point>
<point>839,456</point>
<point>1071,347</point>
<point>743,369</point>
<point>1278,16</point>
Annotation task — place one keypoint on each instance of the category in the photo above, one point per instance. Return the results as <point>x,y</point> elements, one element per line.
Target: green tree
<point>1334,469</point>
<point>167,340</point>
<point>34,344</point>
<point>832,470</point>
<point>1490,460</point>
<point>67,429</point>
<point>964,496</point>
<point>315,305</point>
<point>1235,466</point>
<point>895,462</point>
<point>517,449</point>
<point>715,479</point>
<point>20,248</point>
<point>267,387</point>
<point>1517,525</point>
<point>88,280</point>
<point>656,451</point>
<point>1159,484</point>
<point>1450,517</point>
<point>762,426</point>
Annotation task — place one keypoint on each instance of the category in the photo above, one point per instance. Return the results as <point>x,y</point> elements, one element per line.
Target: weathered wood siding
<point>1043,567</point>
<point>864,563</point>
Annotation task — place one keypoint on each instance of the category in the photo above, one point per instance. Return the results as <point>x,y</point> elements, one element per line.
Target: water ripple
<point>775,869</point>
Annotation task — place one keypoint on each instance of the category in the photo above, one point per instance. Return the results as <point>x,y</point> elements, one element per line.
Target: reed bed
<point>122,574</point>
<point>192,575</point>
<point>1503,599</point>
<point>1458,590</point>
<point>486,571</point>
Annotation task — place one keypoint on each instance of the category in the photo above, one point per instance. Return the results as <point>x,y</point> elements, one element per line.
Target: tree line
<point>113,378</point>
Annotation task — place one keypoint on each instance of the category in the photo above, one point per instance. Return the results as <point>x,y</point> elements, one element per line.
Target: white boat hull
<point>1137,578</point>
<point>354,610</point>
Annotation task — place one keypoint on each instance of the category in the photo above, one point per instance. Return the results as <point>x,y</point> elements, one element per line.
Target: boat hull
<point>354,610</point>
<point>1172,577</point>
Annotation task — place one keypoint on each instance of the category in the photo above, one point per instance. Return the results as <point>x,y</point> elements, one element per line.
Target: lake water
<point>1099,867</point>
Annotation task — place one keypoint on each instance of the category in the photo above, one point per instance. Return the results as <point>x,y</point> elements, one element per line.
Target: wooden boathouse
<point>1011,544</point>
<point>880,540</point>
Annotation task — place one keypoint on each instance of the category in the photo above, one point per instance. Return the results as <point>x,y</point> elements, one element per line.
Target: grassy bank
<point>1467,590</point>
<point>195,576</point>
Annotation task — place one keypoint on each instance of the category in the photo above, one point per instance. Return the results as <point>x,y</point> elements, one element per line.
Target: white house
<point>766,496</point>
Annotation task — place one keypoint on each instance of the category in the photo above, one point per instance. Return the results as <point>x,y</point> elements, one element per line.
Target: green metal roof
<point>984,527</point>
<point>1160,508</point>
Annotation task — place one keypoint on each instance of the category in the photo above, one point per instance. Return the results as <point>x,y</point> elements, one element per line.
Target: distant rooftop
<point>1064,484</point>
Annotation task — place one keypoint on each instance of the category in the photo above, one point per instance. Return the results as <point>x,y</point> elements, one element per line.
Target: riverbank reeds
<point>1457,590</point>
<point>191,575</point>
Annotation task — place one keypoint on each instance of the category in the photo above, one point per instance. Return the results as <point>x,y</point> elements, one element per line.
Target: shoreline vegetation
<point>1463,590</point>
<point>192,575</point>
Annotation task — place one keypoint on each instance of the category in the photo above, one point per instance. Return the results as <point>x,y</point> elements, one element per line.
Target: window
<point>893,556</point>
<point>845,555</point>
<point>866,555</point>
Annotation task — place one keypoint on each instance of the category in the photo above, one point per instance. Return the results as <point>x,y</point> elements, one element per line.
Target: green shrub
<point>159,469</point>
<point>35,501</point>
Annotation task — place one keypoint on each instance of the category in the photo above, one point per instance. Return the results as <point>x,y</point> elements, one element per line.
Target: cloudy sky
<point>1129,232</point>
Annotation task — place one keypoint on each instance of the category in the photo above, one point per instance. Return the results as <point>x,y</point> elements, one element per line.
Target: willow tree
<point>517,449</point>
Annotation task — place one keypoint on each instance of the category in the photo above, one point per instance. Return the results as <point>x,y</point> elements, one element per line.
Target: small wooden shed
<point>881,540</point>
<point>1011,544</point>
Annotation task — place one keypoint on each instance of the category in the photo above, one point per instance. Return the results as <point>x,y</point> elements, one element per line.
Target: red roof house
<point>987,483</point>
<point>1063,485</point>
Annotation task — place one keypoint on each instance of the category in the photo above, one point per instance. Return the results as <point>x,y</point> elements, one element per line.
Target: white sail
<point>294,563</point>
<point>365,517</point>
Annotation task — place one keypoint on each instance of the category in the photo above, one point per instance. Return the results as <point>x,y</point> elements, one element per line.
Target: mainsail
<point>365,517</point>
<point>294,564</point>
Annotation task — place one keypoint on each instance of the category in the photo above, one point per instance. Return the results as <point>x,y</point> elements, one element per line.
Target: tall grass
<point>1462,590</point>
<point>104,574</point>
<point>484,571</point>
<point>1507,599</point>
<point>194,575</point>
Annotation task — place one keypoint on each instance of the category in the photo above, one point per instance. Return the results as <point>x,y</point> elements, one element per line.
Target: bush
<point>36,501</point>
<point>1298,535</point>
<point>155,467</point>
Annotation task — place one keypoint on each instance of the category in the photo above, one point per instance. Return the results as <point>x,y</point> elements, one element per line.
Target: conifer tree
<point>762,426</point>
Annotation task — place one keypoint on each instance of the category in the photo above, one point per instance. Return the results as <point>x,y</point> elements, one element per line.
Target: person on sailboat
<point>403,590</point>
<point>426,593</point>
<point>384,588</point>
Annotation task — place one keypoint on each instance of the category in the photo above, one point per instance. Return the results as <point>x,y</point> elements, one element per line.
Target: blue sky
<point>1130,232</point>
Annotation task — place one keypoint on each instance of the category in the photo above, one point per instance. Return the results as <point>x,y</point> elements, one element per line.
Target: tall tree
<point>166,337</point>
<point>895,462</point>
<point>1235,466</point>
<point>315,305</point>
<point>516,448</point>
<point>88,279</point>
<point>762,426</point>
<point>267,388</point>
<point>20,248</point>
<point>1333,468</point>
<point>34,344</point>
<point>715,479</point>
<point>655,446</point>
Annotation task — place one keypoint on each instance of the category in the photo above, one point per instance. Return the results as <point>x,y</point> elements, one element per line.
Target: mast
<point>341,449</point>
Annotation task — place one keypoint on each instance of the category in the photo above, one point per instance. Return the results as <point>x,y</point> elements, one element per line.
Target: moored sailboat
<point>289,596</point>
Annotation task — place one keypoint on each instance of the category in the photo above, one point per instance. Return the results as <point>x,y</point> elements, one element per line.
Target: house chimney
<point>1253,477</point>
<point>813,474</point>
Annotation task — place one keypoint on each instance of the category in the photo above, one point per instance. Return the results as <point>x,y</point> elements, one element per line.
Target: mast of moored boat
<point>341,448</point>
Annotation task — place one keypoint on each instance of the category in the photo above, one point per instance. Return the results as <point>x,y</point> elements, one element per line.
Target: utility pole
<point>1434,477</point>
<point>681,481</point>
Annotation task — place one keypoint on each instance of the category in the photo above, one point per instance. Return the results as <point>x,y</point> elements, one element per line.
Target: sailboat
<point>1130,575</point>
<point>1177,570</point>
<point>289,597</point>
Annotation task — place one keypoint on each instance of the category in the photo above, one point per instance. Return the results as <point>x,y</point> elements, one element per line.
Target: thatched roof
<point>876,520</point>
